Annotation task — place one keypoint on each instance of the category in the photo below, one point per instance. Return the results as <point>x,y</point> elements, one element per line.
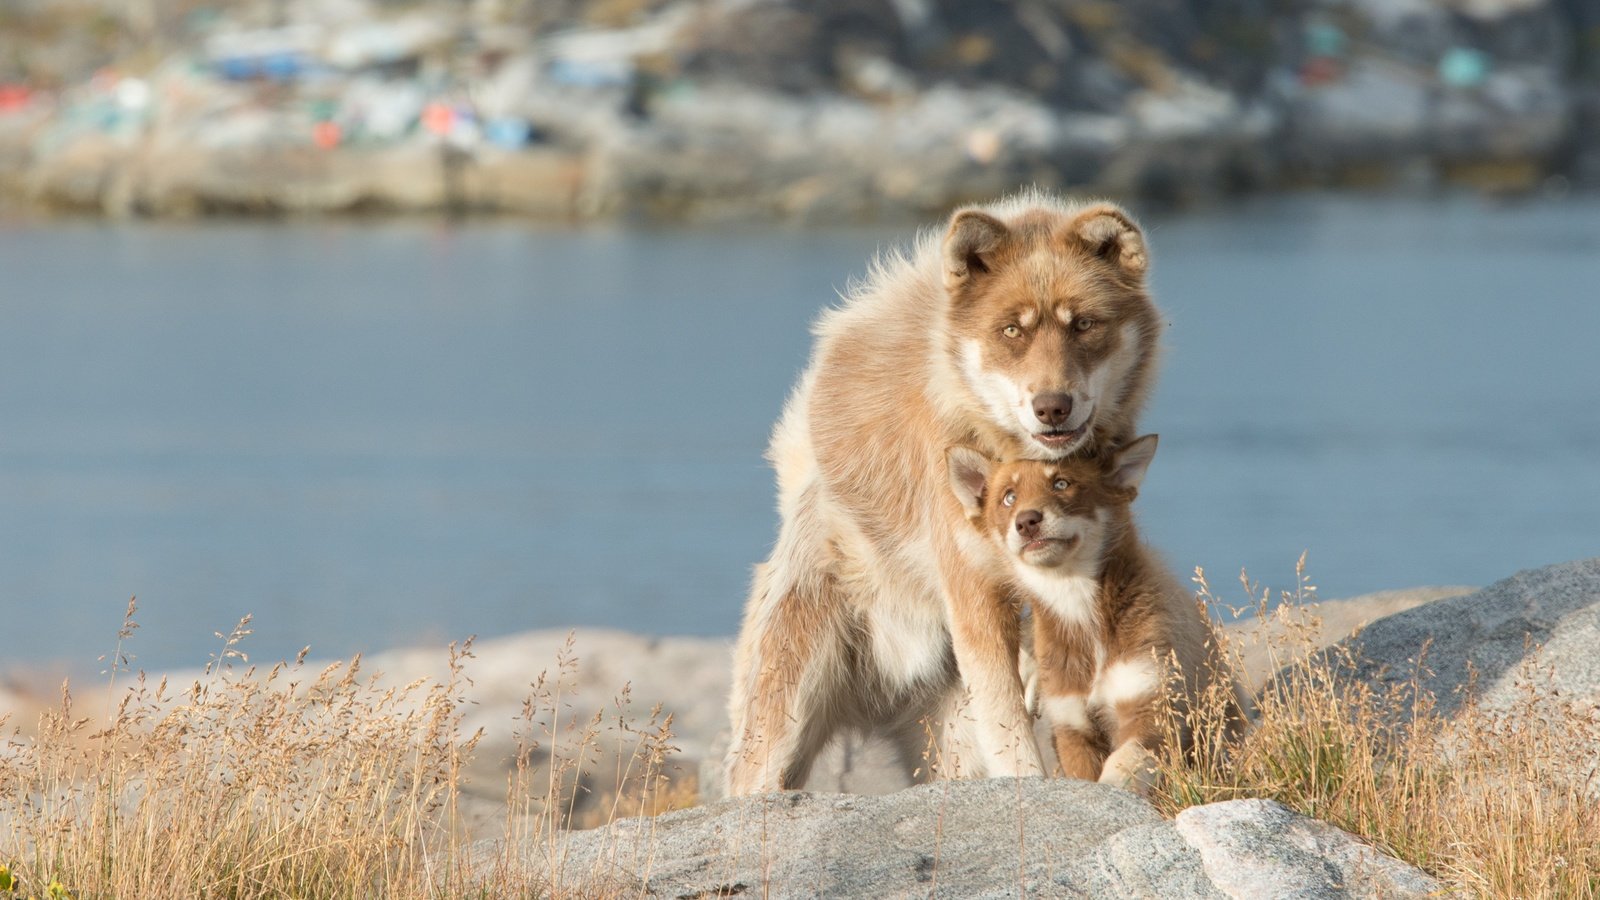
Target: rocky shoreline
<point>680,110</point>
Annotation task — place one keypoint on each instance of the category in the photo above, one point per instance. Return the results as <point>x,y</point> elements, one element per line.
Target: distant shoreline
<point>562,187</point>
<point>20,209</point>
<point>793,113</point>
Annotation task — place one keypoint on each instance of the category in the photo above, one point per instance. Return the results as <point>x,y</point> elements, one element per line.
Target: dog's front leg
<point>985,631</point>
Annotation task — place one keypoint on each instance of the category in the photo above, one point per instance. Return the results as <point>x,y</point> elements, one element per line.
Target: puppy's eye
<point>1009,498</point>
<point>1084,324</point>
<point>1059,485</point>
<point>1011,331</point>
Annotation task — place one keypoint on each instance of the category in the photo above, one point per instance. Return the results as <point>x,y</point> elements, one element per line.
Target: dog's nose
<point>1028,523</point>
<point>1053,409</point>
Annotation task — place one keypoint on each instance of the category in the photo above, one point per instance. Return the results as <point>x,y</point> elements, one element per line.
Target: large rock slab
<point>1264,643</point>
<point>985,838</point>
<point>1548,617</point>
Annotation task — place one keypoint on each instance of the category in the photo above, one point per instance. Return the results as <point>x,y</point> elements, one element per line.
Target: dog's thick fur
<point>1026,331</point>
<point>1109,621</point>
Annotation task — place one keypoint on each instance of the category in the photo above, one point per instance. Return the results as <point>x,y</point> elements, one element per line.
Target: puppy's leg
<point>1130,766</point>
<point>1132,761</point>
<point>1080,748</point>
<point>1080,755</point>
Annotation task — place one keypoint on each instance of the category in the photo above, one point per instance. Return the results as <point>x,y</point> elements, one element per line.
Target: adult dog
<point>1026,332</point>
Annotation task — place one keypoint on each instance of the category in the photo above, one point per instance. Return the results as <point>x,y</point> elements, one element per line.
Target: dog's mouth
<point>1046,547</point>
<point>1061,438</point>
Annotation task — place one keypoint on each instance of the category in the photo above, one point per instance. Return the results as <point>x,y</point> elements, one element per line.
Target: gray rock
<point>1258,848</point>
<point>1487,636</point>
<point>1294,632</point>
<point>987,838</point>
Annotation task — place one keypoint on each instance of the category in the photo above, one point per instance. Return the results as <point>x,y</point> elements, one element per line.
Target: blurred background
<point>392,322</point>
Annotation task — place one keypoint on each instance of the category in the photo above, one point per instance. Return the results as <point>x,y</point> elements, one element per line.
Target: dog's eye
<point>1084,324</point>
<point>1011,331</point>
<point>1009,498</point>
<point>1059,485</point>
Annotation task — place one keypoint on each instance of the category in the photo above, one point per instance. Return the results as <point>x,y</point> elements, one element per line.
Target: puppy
<point>1113,631</point>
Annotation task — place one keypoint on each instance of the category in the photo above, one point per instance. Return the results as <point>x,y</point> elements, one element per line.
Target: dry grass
<point>1495,802</point>
<point>296,783</point>
<point>291,782</point>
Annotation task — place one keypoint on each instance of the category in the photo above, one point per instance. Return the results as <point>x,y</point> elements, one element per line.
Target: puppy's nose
<point>1052,409</point>
<point>1028,523</point>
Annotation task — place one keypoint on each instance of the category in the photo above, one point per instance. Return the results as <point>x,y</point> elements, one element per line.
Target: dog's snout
<point>1028,523</point>
<point>1052,409</point>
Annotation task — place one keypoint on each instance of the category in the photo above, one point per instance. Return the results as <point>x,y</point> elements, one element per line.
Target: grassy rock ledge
<point>1410,743</point>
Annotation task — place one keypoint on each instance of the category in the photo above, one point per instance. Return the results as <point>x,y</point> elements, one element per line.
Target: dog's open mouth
<point>1058,543</point>
<point>1055,439</point>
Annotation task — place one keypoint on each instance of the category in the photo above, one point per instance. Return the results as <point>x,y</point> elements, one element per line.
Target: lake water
<point>370,435</point>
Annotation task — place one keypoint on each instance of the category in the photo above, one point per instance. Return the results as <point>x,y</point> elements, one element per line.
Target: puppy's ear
<point>969,475</point>
<point>969,246</point>
<point>1111,234</point>
<point>1129,464</point>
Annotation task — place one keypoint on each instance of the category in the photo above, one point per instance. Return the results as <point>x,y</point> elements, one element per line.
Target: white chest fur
<point>1073,597</point>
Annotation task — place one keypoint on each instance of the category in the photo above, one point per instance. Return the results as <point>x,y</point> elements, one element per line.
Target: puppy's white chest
<point>1075,599</point>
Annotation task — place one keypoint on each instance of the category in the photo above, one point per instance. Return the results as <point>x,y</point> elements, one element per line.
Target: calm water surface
<point>371,435</point>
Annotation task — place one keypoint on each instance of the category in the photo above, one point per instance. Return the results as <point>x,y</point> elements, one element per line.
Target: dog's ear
<point>1129,463</point>
<point>969,475</point>
<point>1111,234</point>
<point>969,246</point>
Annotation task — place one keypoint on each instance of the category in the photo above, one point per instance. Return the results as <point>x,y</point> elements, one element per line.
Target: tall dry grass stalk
<point>296,783</point>
<point>543,800</point>
<point>1498,802</point>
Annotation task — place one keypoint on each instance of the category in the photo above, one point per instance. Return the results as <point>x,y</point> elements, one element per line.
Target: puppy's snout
<point>1028,523</point>
<point>1052,409</point>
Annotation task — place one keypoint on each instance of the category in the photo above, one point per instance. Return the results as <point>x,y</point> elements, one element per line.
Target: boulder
<point>1547,617</point>
<point>1262,643</point>
<point>985,838</point>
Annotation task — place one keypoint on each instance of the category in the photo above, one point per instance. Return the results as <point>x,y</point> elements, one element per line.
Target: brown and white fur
<point>1025,331</point>
<point>1109,621</point>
